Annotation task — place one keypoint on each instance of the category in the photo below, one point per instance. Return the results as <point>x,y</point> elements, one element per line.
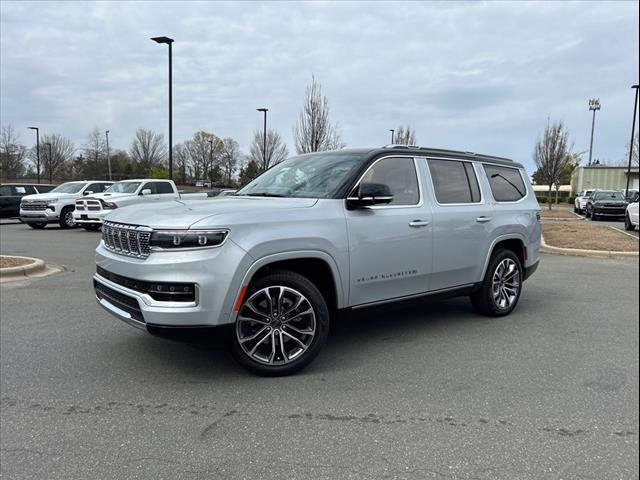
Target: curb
<point>622,231</point>
<point>557,219</point>
<point>578,252</point>
<point>37,268</point>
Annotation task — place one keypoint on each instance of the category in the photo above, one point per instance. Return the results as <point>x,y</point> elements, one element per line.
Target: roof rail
<point>399,145</point>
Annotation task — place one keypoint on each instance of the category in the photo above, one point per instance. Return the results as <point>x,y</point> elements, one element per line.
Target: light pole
<point>50,159</point>
<point>633,127</point>
<point>169,41</point>
<point>392,137</point>
<point>106,132</point>
<point>264,138</point>
<point>37,150</point>
<point>594,104</point>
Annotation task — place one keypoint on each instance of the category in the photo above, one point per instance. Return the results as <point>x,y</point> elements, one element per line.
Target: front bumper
<point>90,216</point>
<point>216,273</point>
<point>610,212</point>
<point>39,216</point>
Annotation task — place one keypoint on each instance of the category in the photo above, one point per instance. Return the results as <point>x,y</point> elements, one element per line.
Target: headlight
<point>173,239</point>
<point>109,205</point>
<point>53,200</point>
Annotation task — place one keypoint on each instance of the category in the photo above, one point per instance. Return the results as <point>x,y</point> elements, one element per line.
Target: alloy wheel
<point>506,283</point>
<point>276,325</point>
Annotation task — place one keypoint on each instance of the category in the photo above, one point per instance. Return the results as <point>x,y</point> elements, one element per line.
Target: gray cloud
<point>470,76</point>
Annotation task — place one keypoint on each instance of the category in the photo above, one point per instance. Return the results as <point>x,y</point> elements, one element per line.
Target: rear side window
<point>454,181</point>
<point>5,191</point>
<point>164,187</point>
<point>506,183</point>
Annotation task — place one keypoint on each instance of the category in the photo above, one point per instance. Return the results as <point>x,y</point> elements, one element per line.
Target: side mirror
<point>370,194</point>
<point>87,192</point>
<point>145,191</point>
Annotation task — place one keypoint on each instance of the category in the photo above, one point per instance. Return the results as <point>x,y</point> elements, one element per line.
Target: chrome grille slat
<point>130,240</point>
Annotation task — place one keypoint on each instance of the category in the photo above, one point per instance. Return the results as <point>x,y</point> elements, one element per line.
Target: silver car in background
<point>319,233</point>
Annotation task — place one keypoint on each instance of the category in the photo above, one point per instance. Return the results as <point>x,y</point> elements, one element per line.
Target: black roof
<point>430,152</point>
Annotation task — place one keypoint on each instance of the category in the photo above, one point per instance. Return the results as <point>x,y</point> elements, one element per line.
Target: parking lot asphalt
<point>426,391</point>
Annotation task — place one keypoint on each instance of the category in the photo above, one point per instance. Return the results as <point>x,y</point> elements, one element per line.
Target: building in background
<point>603,177</point>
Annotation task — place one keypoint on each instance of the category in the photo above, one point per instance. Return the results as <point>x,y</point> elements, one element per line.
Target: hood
<point>109,197</point>
<point>613,203</point>
<point>182,214</point>
<point>48,196</point>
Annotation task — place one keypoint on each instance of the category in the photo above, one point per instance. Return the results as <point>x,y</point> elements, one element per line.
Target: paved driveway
<point>430,391</point>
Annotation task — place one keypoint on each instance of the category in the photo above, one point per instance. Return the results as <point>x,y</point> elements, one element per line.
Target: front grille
<point>161,291</point>
<point>90,205</point>
<point>130,240</point>
<point>33,206</point>
<point>123,302</point>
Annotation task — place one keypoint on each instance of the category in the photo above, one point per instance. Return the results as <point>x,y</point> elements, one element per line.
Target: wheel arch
<point>317,266</point>
<point>513,242</point>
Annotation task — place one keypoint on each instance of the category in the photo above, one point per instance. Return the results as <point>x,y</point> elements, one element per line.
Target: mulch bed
<point>6,261</point>
<point>587,236</point>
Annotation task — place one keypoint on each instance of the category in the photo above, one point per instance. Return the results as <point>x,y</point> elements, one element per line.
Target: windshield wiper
<point>264,194</point>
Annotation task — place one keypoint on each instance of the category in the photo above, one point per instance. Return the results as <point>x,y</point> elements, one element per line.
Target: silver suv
<point>319,233</point>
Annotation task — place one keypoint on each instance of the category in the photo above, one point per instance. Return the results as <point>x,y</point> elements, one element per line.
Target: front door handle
<point>418,223</point>
<point>483,219</point>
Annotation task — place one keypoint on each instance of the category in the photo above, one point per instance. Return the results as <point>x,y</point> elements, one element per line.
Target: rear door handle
<point>483,219</point>
<point>418,223</point>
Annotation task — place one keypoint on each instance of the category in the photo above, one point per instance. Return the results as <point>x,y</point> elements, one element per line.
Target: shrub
<point>571,200</point>
<point>542,199</point>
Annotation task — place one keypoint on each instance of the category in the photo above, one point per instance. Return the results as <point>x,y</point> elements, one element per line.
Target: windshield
<point>312,176</point>
<point>68,188</point>
<point>123,187</point>
<point>609,196</point>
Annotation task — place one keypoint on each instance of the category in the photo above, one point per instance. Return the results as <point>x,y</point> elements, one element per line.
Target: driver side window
<point>399,174</point>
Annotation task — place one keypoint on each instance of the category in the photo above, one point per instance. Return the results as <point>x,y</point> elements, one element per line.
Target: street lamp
<point>37,150</point>
<point>106,132</point>
<point>264,138</point>
<point>392,135</point>
<point>50,160</point>
<point>594,104</point>
<point>633,127</point>
<point>169,41</point>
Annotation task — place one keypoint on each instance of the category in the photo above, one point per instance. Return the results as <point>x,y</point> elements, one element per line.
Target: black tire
<point>307,289</point>
<point>594,217</point>
<point>576,209</point>
<point>586,213</point>
<point>91,227</point>
<point>37,226</point>
<point>630,227</point>
<point>483,300</point>
<point>66,218</point>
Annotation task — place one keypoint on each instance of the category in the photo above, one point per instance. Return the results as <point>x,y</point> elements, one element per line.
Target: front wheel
<point>627,223</point>
<point>66,218</point>
<point>281,326</point>
<point>500,290</point>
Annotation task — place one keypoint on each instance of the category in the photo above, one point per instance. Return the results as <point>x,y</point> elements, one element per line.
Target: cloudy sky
<point>471,76</point>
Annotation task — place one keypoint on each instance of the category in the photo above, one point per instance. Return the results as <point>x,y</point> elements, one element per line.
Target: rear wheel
<point>66,218</point>
<point>500,290</point>
<point>627,223</point>
<point>281,326</point>
<point>91,227</point>
<point>37,226</point>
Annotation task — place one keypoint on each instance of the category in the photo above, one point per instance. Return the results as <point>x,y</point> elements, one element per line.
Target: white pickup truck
<point>90,211</point>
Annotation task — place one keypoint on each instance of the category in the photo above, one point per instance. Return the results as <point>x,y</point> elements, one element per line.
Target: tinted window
<point>506,183</point>
<point>608,196</point>
<point>5,191</point>
<point>454,182</point>
<point>95,188</point>
<point>164,187</point>
<point>399,174</point>
<point>44,188</point>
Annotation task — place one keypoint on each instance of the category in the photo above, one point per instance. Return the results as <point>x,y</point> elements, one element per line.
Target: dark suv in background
<point>606,203</point>
<point>12,193</point>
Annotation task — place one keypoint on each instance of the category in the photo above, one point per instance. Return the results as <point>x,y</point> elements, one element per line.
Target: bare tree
<point>551,154</point>
<point>94,154</point>
<point>229,156</point>
<point>56,152</point>
<point>404,136</point>
<point>181,160</point>
<point>277,151</point>
<point>313,131</point>
<point>204,154</point>
<point>12,153</point>
<point>148,149</point>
